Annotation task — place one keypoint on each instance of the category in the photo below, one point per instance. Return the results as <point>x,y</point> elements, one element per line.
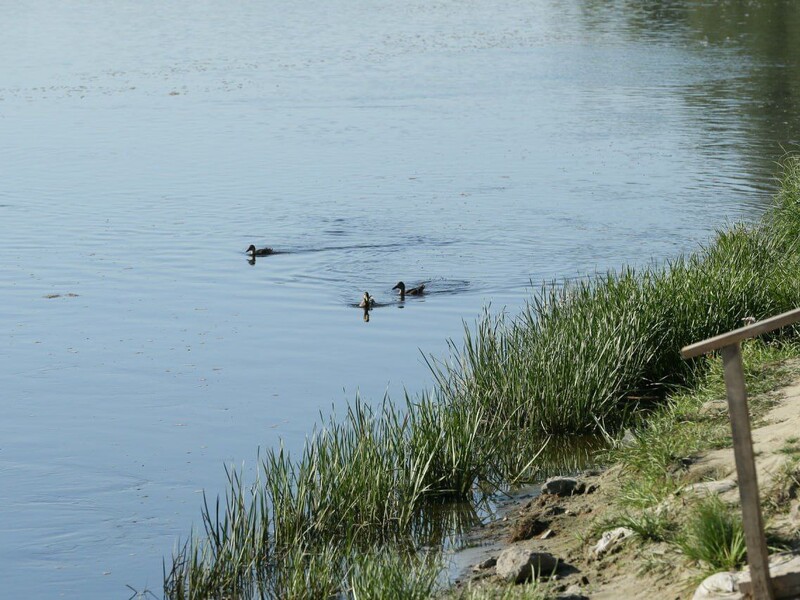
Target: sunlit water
<point>481,146</point>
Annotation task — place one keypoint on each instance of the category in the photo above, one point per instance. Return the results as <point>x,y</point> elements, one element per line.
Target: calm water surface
<point>479,145</point>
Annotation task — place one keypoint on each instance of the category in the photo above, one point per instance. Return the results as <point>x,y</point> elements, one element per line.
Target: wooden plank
<point>757,554</point>
<point>737,335</point>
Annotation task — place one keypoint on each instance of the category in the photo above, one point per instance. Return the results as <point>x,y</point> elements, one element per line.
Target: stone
<point>573,592</point>
<point>628,440</point>
<point>719,586</point>
<point>784,569</point>
<point>563,486</point>
<point>611,539</point>
<point>519,565</point>
<point>707,488</point>
<point>547,534</point>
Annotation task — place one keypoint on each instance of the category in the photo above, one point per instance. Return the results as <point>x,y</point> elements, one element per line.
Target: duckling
<point>414,291</point>
<point>253,251</point>
<point>367,301</point>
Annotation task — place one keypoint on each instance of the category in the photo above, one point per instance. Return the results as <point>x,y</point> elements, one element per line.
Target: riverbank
<point>658,498</point>
<point>591,357</point>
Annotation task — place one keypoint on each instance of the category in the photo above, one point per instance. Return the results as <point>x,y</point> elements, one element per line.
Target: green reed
<point>582,358</point>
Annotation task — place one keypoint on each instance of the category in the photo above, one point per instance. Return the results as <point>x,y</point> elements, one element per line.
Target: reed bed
<point>348,517</point>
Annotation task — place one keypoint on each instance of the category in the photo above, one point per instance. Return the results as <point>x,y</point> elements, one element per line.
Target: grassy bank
<point>655,466</point>
<point>668,479</point>
<point>354,508</point>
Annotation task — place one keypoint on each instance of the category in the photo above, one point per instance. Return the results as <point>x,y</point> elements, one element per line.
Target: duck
<point>367,301</point>
<point>414,291</point>
<point>253,251</point>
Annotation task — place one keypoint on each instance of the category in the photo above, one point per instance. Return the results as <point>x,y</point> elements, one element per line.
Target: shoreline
<point>570,526</point>
<point>349,516</point>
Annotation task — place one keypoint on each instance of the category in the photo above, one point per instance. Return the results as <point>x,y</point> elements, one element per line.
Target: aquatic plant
<point>583,357</point>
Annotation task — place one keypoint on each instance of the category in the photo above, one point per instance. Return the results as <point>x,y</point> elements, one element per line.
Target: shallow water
<point>480,146</point>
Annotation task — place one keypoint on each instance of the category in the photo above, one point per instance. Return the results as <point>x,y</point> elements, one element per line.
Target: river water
<point>479,146</point>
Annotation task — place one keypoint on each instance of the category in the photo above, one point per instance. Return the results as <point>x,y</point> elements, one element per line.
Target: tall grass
<point>715,536</point>
<point>583,357</point>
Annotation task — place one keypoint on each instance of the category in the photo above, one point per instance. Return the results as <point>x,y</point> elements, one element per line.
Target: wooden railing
<point>728,344</point>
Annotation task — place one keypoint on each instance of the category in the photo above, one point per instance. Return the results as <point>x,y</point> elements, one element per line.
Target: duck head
<point>400,286</point>
<point>251,249</point>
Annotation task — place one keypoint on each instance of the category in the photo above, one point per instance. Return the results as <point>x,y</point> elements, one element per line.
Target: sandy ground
<point>637,569</point>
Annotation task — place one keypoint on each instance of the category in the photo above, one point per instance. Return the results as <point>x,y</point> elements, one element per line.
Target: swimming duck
<point>414,291</point>
<point>253,251</point>
<point>367,301</point>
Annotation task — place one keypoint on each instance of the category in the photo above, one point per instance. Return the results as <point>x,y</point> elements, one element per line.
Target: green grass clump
<point>583,357</point>
<point>531,591</point>
<point>649,525</point>
<point>684,426</point>
<point>586,357</point>
<point>389,574</point>
<point>714,536</point>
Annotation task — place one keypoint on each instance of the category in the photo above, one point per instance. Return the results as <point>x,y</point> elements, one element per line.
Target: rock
<point>523,564</point>
<point>563,486</point>
<point>629,439</point>
<point>573,592</point>
<point>706,488</point>
<point>781,566</point>
<point>611,539</point>
<point>719,586</point>
<point>487,564</point>
<point>737,586</point>
<point>547,534</point>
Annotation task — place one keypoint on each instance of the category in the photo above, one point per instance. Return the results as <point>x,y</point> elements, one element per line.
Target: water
<point>480,146</point>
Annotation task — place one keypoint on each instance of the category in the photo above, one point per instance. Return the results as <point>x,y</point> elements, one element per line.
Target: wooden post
<point>728,344</point>
<point>757,553</point>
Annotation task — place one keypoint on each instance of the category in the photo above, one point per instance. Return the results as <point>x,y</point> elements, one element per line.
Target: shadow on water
<point>456,523</point>
<point>756,92</point>
<point>445,525</point>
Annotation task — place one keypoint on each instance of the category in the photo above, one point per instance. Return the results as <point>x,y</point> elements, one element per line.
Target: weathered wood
<point>737,335</point>
<point>783,586</point>
<point>757,554</point>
